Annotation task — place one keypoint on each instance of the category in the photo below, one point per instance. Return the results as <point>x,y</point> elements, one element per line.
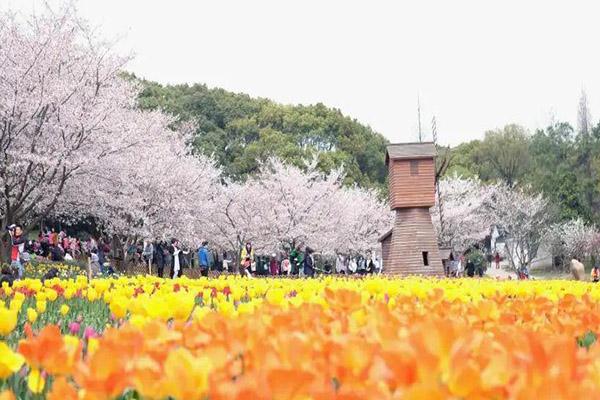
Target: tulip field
<point>328,338</point>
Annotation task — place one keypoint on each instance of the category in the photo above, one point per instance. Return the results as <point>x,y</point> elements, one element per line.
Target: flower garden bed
<point>224,338</point>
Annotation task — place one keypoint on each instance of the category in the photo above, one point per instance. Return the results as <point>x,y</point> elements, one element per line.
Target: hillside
<point>240,131</point>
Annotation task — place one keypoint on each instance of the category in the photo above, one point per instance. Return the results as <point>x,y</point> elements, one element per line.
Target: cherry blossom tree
<point>74,143</point>
<point>284,206</point>
<point>281,207</point>
<point>572,238</point>
<point>63,109</point>
<point>467,216</point>
<point>298,205</point>
<point>237,216</point>
<point>524,219</point>
<point>363,218</point>
<point>155,190</point>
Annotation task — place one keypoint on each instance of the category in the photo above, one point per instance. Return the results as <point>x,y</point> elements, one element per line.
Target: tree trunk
<point>5,248</point>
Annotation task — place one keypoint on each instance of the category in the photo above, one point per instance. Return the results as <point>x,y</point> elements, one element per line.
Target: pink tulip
<point>89,332</point>
<point>74,328</point>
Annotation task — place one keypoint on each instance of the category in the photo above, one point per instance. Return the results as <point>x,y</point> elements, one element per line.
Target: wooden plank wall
<point>408,190</point>
<point>413,234</point>
<point>385,250</point>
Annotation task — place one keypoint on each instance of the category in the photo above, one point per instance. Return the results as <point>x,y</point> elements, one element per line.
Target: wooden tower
<point>410,247</point>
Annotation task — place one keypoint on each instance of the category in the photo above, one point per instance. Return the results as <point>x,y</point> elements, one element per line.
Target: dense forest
<point>241,131</point>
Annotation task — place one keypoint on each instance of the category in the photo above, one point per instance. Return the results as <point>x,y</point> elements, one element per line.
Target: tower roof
<point>410,150</point>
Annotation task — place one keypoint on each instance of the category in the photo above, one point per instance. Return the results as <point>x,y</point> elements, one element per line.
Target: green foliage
<point>556,161</point>
<point>503,155</point>
<point>477,258</point>
<point>240,132</point>
<point>463,160</point>
<point>587,340</point>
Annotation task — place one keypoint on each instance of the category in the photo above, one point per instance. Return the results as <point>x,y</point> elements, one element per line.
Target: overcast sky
<point>476,65</point>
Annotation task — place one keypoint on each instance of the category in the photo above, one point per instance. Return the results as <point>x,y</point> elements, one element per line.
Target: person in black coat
<point>159,258</point>
<point>7,276</point>
<point>470,268</point>
<point>309,263</point>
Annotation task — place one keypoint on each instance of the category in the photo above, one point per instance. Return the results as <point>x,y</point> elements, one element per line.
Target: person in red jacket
<point>17,240</point>
<point>274,265</point>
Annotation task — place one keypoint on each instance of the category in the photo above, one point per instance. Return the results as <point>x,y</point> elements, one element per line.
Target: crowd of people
<point>470,263</point>
<point>473,263</point>
<point>160,256</point>
<point>169,259</point>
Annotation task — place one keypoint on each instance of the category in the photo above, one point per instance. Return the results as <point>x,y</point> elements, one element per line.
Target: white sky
<point>476,65</point>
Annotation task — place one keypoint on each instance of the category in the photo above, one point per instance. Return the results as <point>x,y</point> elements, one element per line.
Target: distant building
<point>410,247</point>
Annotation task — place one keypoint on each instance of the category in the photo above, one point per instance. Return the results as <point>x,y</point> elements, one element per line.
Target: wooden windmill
<point>410,247</point>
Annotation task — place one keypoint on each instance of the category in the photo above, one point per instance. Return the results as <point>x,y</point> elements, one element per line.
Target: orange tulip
<point>7,395</point>
<point>50,351</point>
<point>62,390</point>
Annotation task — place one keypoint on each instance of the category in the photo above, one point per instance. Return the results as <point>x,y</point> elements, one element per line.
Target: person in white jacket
<point>353,265</point>
<point>340,264</point>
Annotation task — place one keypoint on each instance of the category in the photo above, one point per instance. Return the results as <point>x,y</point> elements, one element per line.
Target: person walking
<point>577,269</point>
<point>595,273</point>
<point>300,263</point>
<point>497,260</point>
<point>370,264</point>
<point>352,265</point>
<point>286,266</point>
<point>247,260</point>
<point>17,241</point>
<point>175,252</point>
<point>273,265</point>
<point>94,264</point>
<point>159,258</point>
<point>148,254</point>
<point>101,253</point>
<point>203,258</point>
<point>460,269</point>
<point>377,265</point>
<point>296,260</point>
<point>53,237</point>
<point>340,264</point>
<point>309,263</point>
<point>470,268</point>
<point>226,262</point>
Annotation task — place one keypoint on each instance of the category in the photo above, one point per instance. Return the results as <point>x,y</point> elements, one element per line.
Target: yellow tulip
<point>36,381</point>
<point>92,346</point>
<point>16,304</point>
<point>64,309</point>
<point>185,376</point>
<point>276,296</point>
<point>52,295</point>
<point>8,320</point>
<point>10,362</point>
<point>199,313</point>
<point>227,309</point>
<point>92,295</point>
<point>69,292</point>
<point>118,306</point>
<point>40,306</point>
<point>31,315</point>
